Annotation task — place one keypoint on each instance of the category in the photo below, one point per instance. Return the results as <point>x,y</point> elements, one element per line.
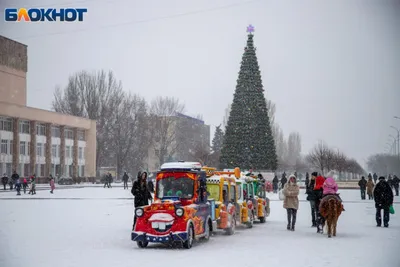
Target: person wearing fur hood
<point>330,187</point>
<point>291,202</point>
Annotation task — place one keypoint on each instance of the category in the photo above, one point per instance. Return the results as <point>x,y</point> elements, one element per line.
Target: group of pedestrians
<point>382,193</point>
<point>21,183</point>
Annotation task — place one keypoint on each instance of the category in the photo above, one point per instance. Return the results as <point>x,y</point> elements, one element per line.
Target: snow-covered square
<point>91,226</point>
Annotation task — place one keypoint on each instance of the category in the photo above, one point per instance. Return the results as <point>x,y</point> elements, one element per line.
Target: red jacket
<point>319,182</point>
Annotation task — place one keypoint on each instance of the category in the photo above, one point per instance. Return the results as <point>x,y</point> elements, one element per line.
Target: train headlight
<point>139,212</point>
<point>179,212</point>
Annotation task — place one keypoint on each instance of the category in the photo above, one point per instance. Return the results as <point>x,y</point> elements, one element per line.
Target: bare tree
<point>91,95</point>
<point>383,164</point>
<point>340,162</point>
<point>318,156</point>
<point>294,148</point>
<point>271,107</point>
<point>226,117</point>
<point>163,116</point>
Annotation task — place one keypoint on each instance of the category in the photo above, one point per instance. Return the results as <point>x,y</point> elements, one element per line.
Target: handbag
<point>281,195</point>
<point>391,209</point>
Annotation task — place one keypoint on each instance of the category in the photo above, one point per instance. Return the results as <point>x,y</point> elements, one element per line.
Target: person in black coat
<point>283,180</point>
<point>363,186</point>
<point>307,181</point>
<point>312,198</point>
<point>375,177</point>
<point>4,180</point>
<point>125,178</point>
<point>141,192</point>
<point>275,183</point>
<point>383,196</point>
<point>395,183</point>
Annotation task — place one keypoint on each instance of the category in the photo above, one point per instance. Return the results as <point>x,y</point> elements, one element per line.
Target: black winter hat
<point>314,174</point>
<point>382,178</point>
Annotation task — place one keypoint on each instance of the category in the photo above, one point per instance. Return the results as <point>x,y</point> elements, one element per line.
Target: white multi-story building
<point>36,141</point>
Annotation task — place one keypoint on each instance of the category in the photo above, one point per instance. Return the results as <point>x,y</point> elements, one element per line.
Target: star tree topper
<point>250,28</point>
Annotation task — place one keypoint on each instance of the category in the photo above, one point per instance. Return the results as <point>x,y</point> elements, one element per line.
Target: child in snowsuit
<point>52,186</point>
<point>18,187</point>
<point>330,188</point>
<point>24,185</point>
<point>33,186</point>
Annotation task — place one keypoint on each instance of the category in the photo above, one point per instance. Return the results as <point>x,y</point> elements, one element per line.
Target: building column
<point>75,155</point>
<point>32,158</point>
<point>62,150</point>
<point>15,156</point>
<point>47,171</point>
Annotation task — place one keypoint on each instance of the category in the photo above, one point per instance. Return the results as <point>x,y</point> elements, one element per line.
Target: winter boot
<point>289,218</point>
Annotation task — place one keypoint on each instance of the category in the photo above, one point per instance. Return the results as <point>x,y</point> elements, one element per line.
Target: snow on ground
<point>91,227</point>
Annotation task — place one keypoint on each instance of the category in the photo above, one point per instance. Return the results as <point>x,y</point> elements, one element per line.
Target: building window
<point>11,147</point>
<point>28,148</point>
<point>81,171</point>
<point>22,148</point>
<point>40,129</point>
<point>42,168</point>
<point>54,151</point>
<point>69,134</point>
<point>55,131</point>
<point>81,135</point>
<point>81,153</point>
<point>24,127</point>
<point>6,124</point>
<point>27,169</point>
<point>39,149</point>
<point>68,152</point>
<point>4,146</point>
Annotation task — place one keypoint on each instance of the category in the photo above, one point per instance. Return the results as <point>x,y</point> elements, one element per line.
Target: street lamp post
<point>394,142</point>
<point>398,141</point>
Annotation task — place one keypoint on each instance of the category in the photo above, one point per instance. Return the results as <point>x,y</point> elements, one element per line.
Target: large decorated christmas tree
<point>248,141</point>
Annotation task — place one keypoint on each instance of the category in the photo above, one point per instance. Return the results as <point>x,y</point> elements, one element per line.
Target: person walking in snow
<point>363,186</point>
<point>4,180</point>
<point>291,202</point>
<point>383,196</point>
<point>33,185</point>
<point>275,183</point>
<point>283,180</point>
<point>375,177</point>
<point>141,192</point>
<point>125,178</point>
<point>110,180</point>
<point>24,185</point>
<point>13,180</point>
<point>370,188</point>
<point>396,183</point>
<point>52,185</point>
<point>390,181</point>
<point>18,187</point>
<point>311,197</point>
<point>307,181</point>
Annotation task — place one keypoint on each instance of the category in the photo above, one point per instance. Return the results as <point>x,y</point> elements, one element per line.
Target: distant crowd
<point>17,183</point>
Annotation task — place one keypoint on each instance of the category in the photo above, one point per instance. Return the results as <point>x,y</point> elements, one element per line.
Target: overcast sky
<point>331,67</point>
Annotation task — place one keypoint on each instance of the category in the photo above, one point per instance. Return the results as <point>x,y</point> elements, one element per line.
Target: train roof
<point>181,166</point>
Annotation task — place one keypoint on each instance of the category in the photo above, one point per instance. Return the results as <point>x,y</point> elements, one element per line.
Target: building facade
<point>190,134</point>
<point>36,141</point>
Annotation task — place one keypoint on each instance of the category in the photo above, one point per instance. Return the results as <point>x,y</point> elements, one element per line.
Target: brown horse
<point>330,208</point>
